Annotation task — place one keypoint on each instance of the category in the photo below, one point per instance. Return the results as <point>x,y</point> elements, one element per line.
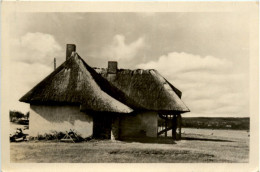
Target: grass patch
<point>160,150</point>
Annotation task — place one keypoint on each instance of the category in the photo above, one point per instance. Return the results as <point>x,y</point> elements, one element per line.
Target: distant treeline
<point>216,123</point>
<point>16,116</point>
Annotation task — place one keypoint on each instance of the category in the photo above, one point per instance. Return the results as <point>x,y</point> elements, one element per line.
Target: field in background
<point>213,133</point>
<point>198,145</point>
<point>216,123</point>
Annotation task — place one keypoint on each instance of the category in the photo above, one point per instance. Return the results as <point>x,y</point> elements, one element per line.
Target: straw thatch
<point>74,82</point>
<point>146,89</point>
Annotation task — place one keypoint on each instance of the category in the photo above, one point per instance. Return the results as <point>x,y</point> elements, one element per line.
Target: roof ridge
<point>58,84</point>
<point>138,85</point>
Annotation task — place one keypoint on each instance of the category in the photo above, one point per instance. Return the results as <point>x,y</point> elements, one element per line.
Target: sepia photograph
<point>138,86</point>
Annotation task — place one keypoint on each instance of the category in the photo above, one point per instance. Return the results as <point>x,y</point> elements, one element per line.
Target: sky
<point>205,55</point>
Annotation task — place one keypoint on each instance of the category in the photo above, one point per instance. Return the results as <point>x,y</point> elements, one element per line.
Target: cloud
<point>23,77</point>
<point>31,61</point>
<point>210,86</point>
<point>120,50</point>
<point>184,62</point>
<point>35,48</point>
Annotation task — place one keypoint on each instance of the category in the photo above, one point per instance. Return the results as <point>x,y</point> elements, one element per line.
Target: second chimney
<point>112,67</point>
<point>70,48</point>
<point>111,70</point>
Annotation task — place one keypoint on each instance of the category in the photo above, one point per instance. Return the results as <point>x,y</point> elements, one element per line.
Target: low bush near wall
<point>70,136</point>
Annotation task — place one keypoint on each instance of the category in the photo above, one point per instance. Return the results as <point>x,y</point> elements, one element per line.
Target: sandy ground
<point>198,145</point>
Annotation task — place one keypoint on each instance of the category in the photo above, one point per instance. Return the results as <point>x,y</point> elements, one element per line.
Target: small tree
<point>15,115</point>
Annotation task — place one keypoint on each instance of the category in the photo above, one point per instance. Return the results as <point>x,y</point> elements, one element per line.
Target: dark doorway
<point>102,126</point>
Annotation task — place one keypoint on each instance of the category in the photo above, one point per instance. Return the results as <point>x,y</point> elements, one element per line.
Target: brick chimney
<point>70,48</point>
<point>111,70</point>
<point>112,67</point>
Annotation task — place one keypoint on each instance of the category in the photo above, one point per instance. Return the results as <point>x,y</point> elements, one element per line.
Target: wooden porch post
<point>174,126</point>
<point>166,120</point>
<point>179,121</point>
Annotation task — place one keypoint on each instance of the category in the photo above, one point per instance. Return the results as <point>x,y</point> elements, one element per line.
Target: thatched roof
<point>74,82</point>
<point>146,89</point>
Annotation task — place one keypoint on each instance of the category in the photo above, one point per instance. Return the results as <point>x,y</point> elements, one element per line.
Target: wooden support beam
<point>166,120</point>
<point>161,116</point>
<point>171,122</point>
<point>164,130</point>
<point>174,126</point>
<point>179,124</point>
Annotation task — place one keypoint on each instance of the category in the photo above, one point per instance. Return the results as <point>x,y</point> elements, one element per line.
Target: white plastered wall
<point>47,119</point>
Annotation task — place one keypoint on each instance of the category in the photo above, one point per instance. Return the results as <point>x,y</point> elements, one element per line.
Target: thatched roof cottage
<point>103,102</point>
